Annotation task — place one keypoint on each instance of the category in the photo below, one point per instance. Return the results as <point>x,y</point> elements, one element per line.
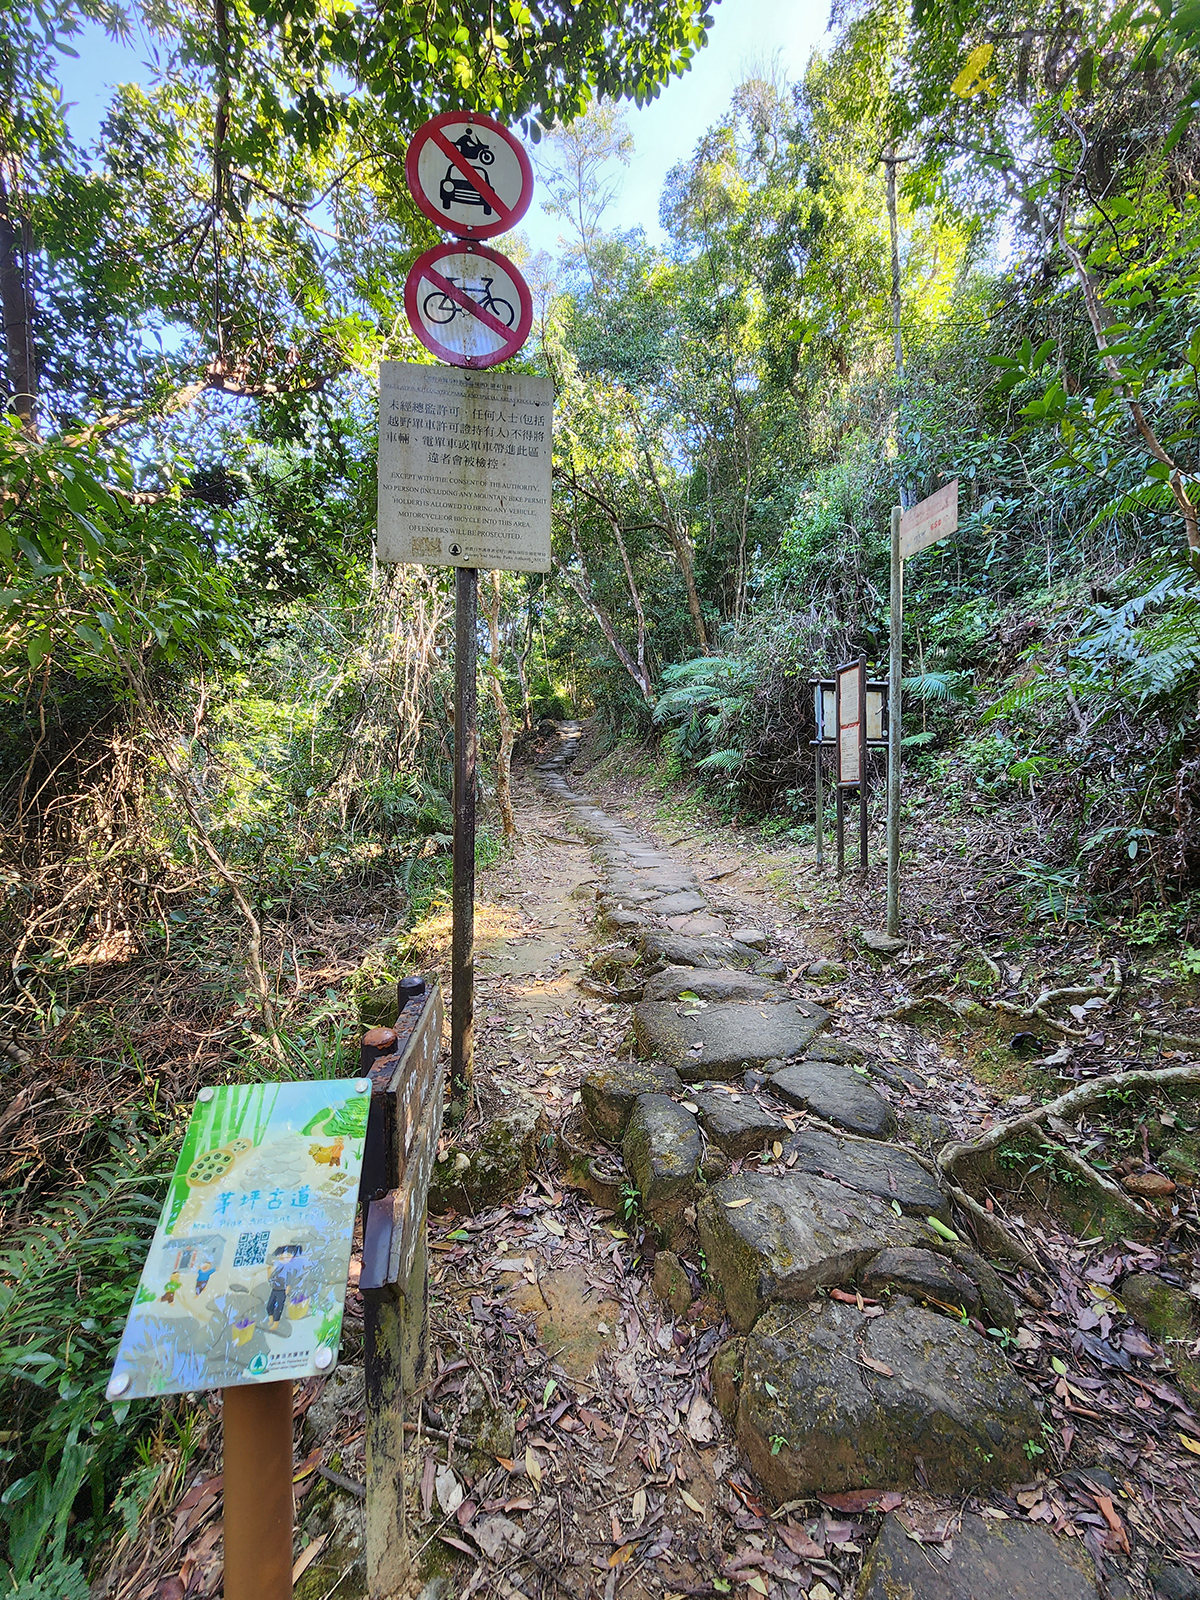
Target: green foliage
<point>66,1281</point>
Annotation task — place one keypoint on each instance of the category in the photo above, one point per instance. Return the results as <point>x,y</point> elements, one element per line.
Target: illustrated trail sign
<point>469,175</point>
<point>464,468</point>
<point>924,524</point>
<point>468,305</point>
<point>245,1280</point>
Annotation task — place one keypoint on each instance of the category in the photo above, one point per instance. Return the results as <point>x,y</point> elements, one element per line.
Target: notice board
<point>464,468</point>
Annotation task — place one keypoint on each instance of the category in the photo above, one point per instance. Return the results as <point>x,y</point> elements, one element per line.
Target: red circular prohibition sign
<point>436,299</point>
<point>467,162</point>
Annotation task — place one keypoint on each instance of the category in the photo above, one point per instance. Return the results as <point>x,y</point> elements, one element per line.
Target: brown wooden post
<point>462,952</point>
<point>257,1491</point>
<point>394,1280</point>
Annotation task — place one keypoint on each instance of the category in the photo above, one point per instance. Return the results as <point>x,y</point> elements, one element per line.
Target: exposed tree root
<point>952,1156</point>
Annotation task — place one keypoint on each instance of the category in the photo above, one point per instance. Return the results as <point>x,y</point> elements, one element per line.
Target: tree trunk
<point>491,606</point>
<point>16,304</point>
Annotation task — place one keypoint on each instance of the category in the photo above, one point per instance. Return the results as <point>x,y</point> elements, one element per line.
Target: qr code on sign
<point>251,1249</point>
<point>426,547</point>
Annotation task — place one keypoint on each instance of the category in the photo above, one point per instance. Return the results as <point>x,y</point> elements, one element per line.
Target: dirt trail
<point>575,1409</point>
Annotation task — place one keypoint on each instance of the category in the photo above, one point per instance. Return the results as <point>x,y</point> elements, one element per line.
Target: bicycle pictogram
<point>440,309</point>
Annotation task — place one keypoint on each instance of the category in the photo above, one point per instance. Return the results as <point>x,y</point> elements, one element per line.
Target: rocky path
<point>868,1351</point>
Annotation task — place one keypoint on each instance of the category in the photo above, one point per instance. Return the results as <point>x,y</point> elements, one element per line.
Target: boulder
<point>879,1169</point>
<point>987,1560</point>
<point>620,920</point>
<point>823,971</point>
<point>723,1040</point>
<point>379,1007</point>
<point>721,984</point>
<point>754,937</point>
<point>499,1168</point>
<point>735,1122</point>
<point>725,1375</point>
<point>771,1237</point>
<point>343,1394</point>
<point>1174,1582</point>
<point>859,1403</point>
<point>921,1274</point>
<point>848,1051</point>
<point>662,1150</point>
<point>683,950</point>
<point>609,1093</point>
<point>1166,1313</point>
<point>671,1282</point>
<point>835,1094</point>
<point>770,967</point>
<point>881,944</point>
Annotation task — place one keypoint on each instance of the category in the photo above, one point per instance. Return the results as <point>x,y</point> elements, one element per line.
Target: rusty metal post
<point>895,643</point>
<point>820,801</point>
<point>862,766</point>
<point>840,818</point>
<point>462,954</point>
<point>258,1491</point>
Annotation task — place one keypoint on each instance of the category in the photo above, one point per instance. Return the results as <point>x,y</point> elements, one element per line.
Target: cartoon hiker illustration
<point>203,1273</point>
<point>286,1273</point>
<point>171,1288</point>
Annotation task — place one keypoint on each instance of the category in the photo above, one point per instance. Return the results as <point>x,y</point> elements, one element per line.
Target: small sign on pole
<point>924,524</point>
<point>469,175</point>
<point>468,305</point>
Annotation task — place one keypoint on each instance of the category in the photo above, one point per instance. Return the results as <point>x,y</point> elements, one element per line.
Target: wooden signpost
<point>912,530</point>
<point>407,1081</point>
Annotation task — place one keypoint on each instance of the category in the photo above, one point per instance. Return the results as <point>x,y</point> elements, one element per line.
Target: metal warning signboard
<point>464,468</point>
<point>245,1279</point>
<point>469,175</point>
<point>924,524</point>
<point>468,305</point>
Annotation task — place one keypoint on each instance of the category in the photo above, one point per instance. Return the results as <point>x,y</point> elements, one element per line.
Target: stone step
<point>768,1237</point>
<point>836,1094</point>
<point>861,1403</point>
<point>723,1040</point>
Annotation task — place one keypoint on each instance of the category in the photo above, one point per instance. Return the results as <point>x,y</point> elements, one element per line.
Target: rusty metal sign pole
<point>257,1468</point>
<point>896,622</point>
<point>462,957</point>
<point>862,767</point>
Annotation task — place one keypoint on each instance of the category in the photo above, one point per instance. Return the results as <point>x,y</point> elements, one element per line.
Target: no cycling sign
<point>468,305</point>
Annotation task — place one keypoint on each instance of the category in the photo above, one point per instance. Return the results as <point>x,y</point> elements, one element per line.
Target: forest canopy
<point>220,714</point>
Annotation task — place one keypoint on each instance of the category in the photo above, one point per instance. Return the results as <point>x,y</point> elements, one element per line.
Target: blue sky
<point>747,35</point>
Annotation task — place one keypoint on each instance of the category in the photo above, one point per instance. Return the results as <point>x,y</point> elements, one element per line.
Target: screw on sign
<point>469,175</point>
<point>468,305</point>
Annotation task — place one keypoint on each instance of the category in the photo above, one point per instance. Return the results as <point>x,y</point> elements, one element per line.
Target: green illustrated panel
<point>246,1276</point>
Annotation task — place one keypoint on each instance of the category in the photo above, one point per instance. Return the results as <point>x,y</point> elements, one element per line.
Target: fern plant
<point>65,1287</point>
<point>706,697</point>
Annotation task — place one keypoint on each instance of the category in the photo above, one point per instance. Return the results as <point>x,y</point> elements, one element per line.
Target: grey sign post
<point>912,530</point>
